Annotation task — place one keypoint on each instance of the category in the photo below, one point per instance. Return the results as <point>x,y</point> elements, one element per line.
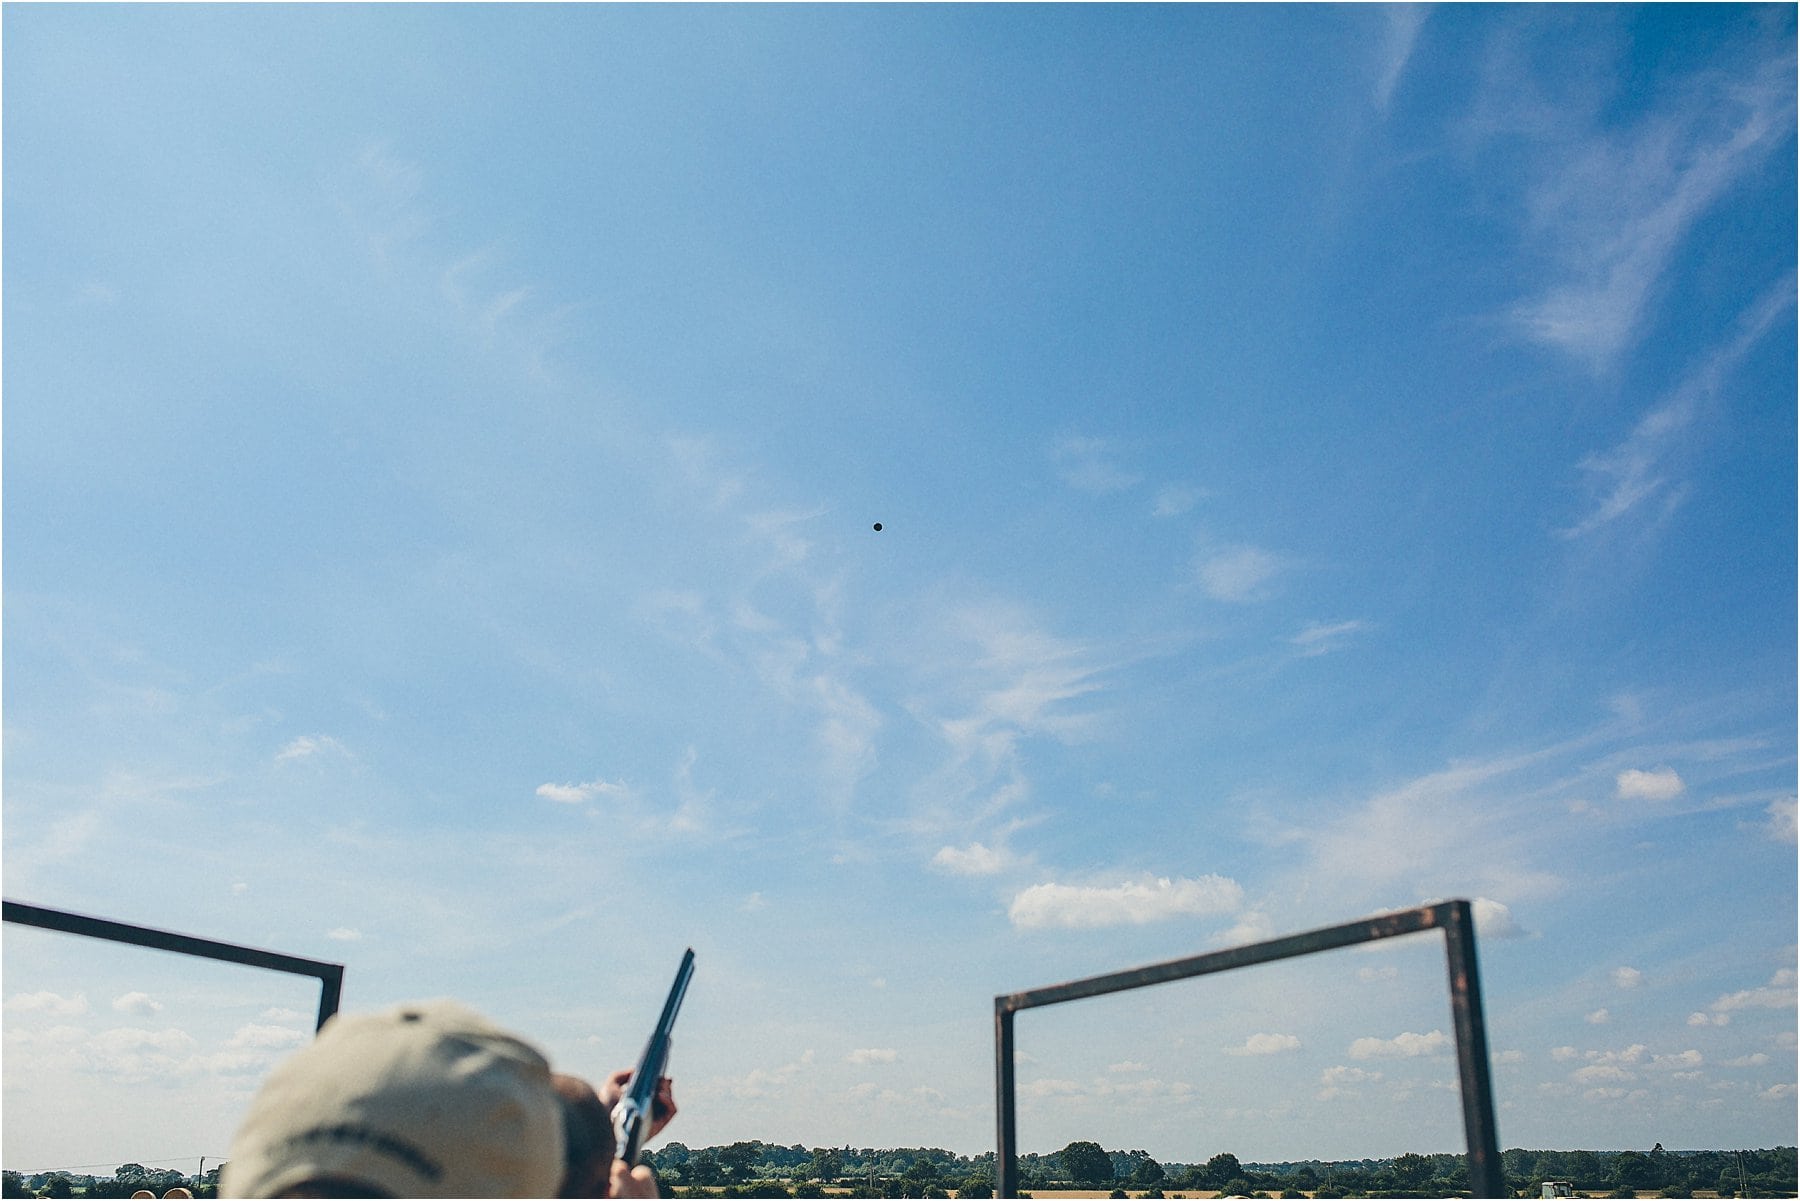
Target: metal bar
<point>1006,1163</point>
<point>1487,1176</point>
<point>1387,925</point>
<point>1455,918</point>
<point>329,975</point>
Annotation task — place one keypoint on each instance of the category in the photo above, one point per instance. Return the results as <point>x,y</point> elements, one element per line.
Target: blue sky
<point>1329,459</point>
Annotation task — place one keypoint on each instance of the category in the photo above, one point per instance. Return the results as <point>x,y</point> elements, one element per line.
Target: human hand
<point>632,1182</point>
<point>662,1105</point>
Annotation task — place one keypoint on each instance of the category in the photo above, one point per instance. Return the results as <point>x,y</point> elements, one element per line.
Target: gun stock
<point>633,1115</point>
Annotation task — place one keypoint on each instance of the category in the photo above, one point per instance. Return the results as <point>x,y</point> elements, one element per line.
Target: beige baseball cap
<point>426,1100</point>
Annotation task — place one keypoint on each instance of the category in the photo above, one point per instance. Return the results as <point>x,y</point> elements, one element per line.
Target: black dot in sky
<point>878,525</point>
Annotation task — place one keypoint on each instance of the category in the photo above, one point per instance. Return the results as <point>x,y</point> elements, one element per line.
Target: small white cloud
<point>1627,977</point>
<point>1781,823</point>
<point>1709,1019</point>
<point>1509,1057</point>
<point>239,888</point>
<point>1401,1046</point>
<point>1564,1054</point>
<point>1254,926</point>
<point>972,860</point>
<point>283,1015</point>
<point>1131,1065</point>
<point>48,1002</point>
<point>138,1003</point>
<point>874,1055</point>
<point>576,794</point>
<point>1663,784</point>
<point>344,934</point>
<point>1267,1044</point>
<point>1495,920</point>
<point>1748,1061</point>
<point>1599,1017</point>
<point>754,903</point>
<point>1777,1092</point>
<point>1632,1054</point>
<point>1131,903</point>
<point>1238,575</point>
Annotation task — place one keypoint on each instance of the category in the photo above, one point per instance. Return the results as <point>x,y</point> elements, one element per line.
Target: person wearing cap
<point>429,1100</point>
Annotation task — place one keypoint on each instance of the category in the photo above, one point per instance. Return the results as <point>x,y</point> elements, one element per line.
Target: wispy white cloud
<point>307,746</point>
<point>1781,824</point>
<point>263,1036</point>
<point>1438,831</point>
<point>1778,993</point>
<point>576,794</point>
<point>760,1084</point>
<point>48,1002</point>
<point>1130,903</point>
<point>1618,203</point>
<point>1172,500</point>
<point>996,680</point>
<point>1321,638</point>
<point>973,860</point>
<point>1640,475</point>
<point>1238,574</point>
<point>1400,33</point>
<point>1087,465</point>
<point>1627,977</point>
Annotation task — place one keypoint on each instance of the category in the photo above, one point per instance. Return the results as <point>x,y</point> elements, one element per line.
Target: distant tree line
<point>127,1179</point>
<point>758,1169</point>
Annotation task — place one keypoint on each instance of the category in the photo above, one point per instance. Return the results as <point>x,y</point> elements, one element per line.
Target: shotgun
<point>632,1116</point>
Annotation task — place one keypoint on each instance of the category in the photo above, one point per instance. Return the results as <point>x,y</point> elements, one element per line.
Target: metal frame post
<point>1455,918</point>
<point>1006,1165</point>
<point>329,975</point>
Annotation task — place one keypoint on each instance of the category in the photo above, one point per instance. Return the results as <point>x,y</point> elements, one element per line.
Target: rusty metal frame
<point>1454,918</point>
<point>329,975</point>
